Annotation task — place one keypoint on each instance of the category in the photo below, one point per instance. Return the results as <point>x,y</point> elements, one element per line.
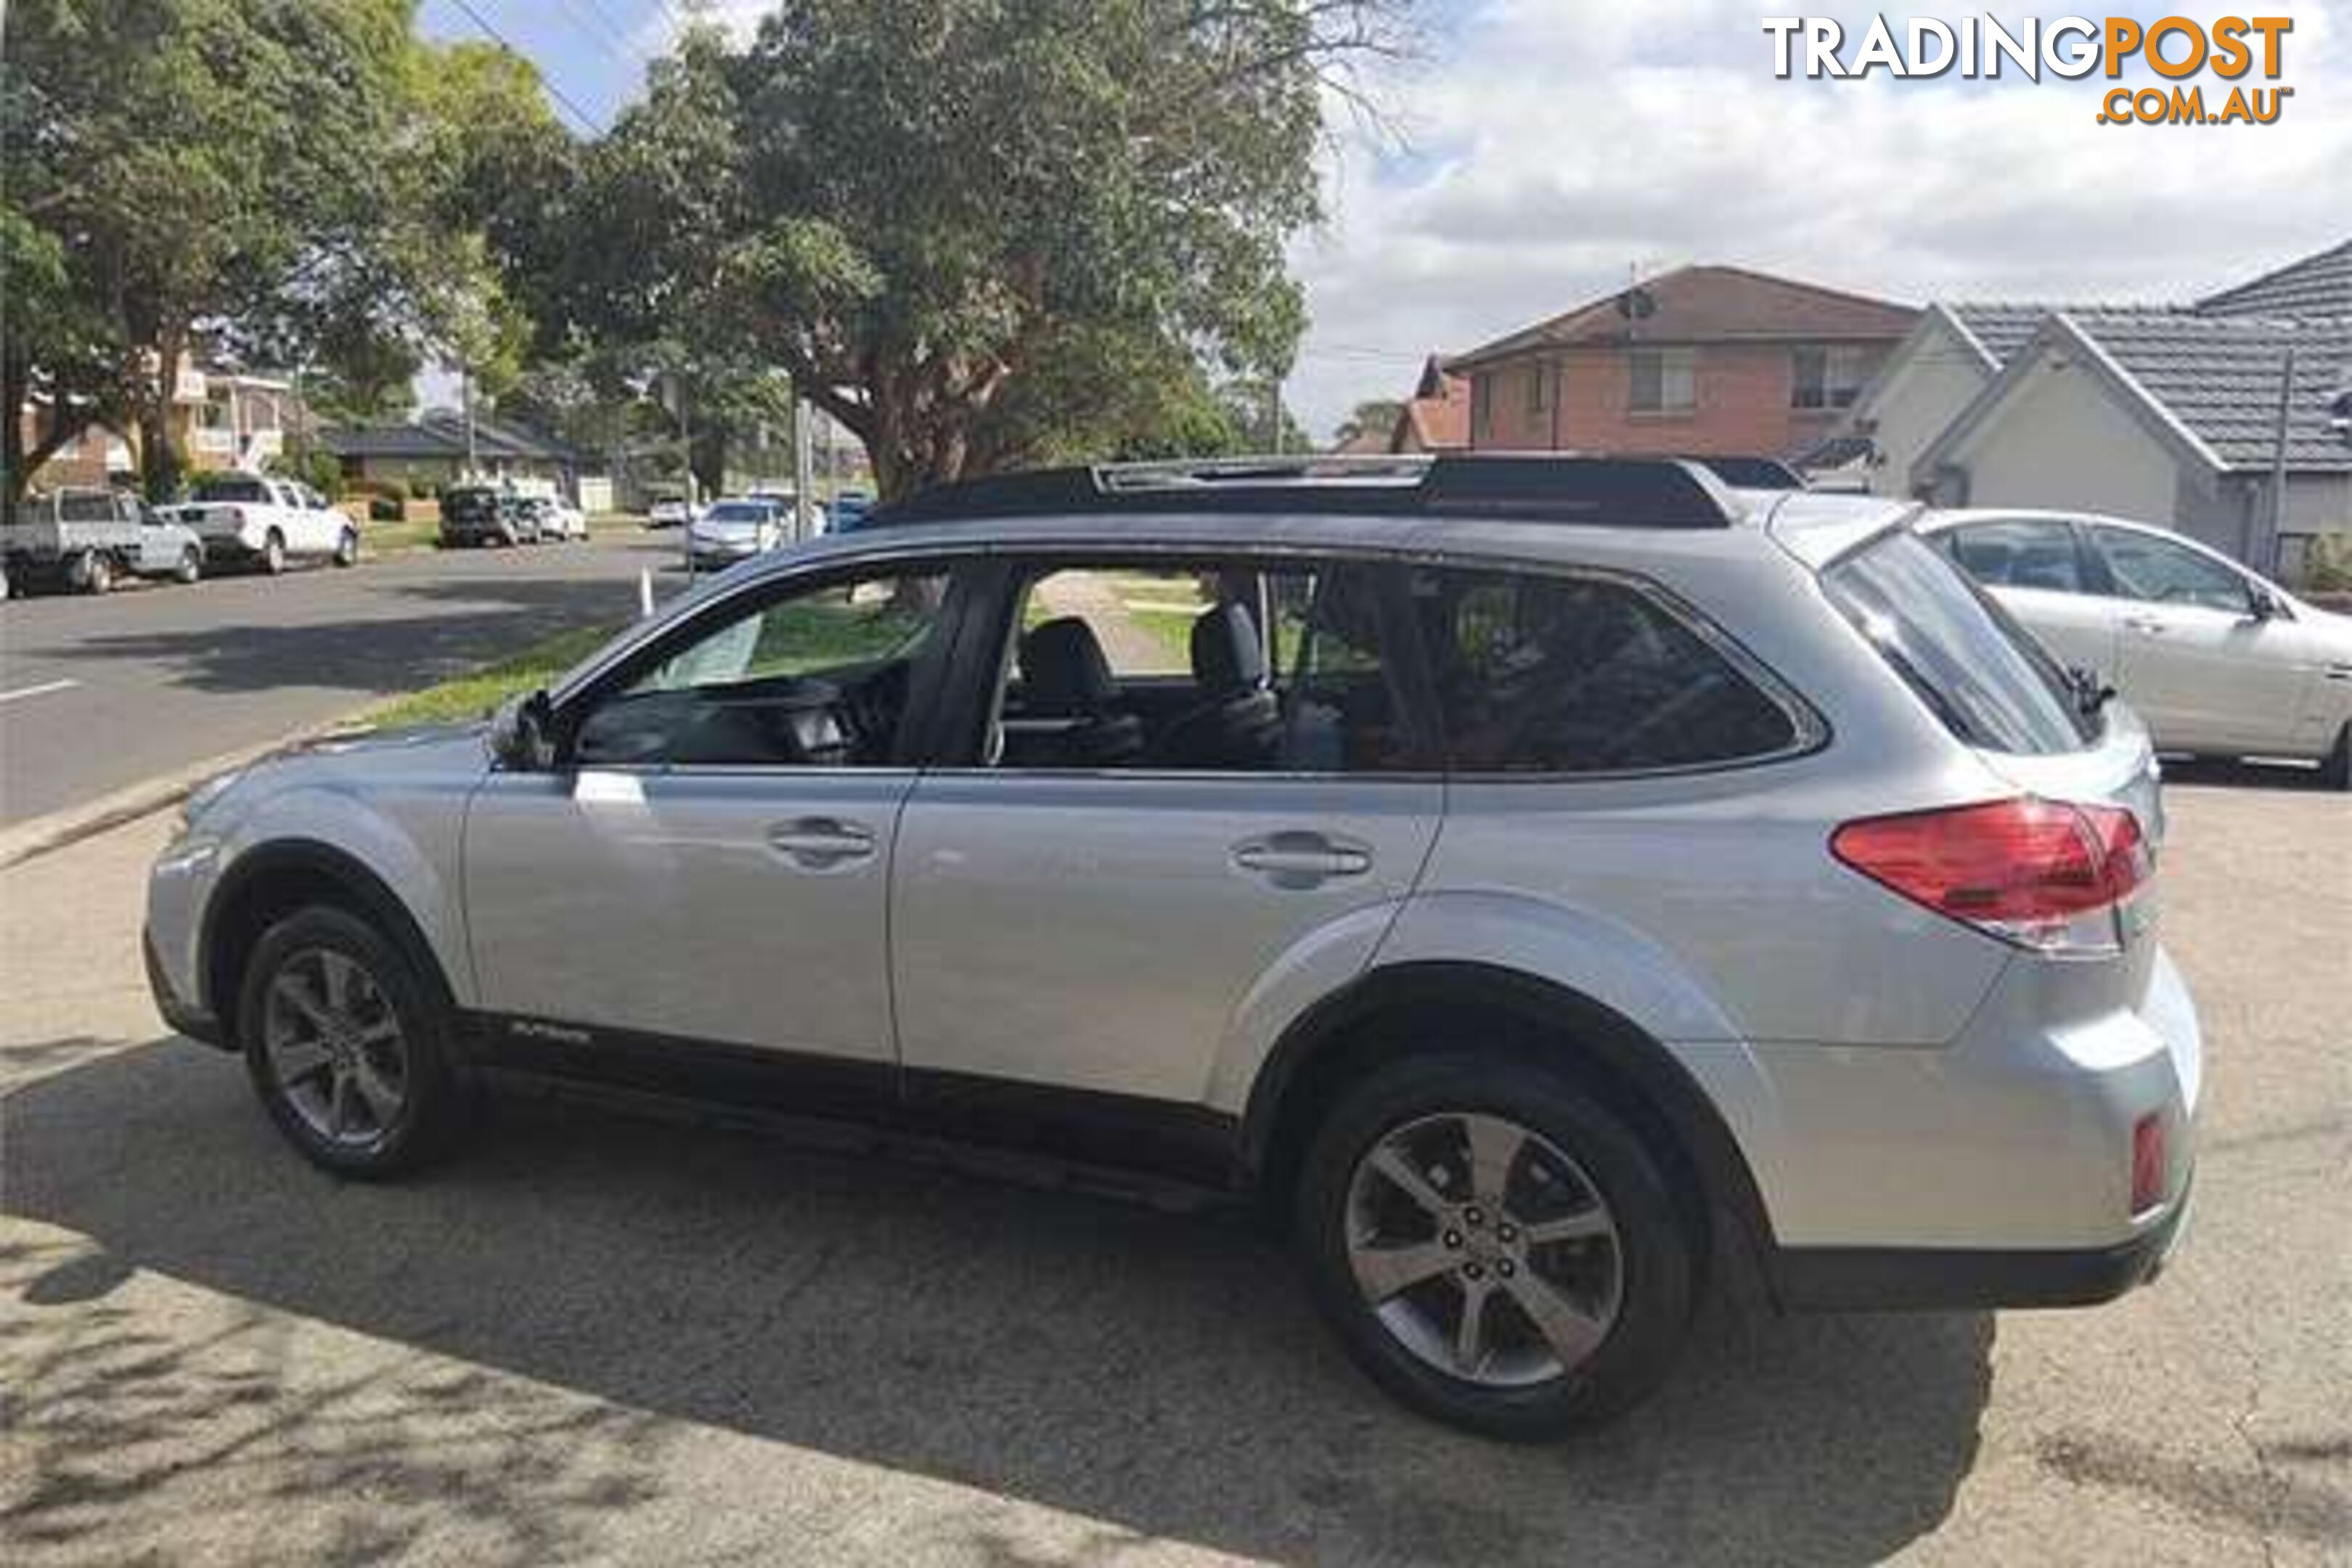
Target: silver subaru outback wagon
<point>1537,876</point>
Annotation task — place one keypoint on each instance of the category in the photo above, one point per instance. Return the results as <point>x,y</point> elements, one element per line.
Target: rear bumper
<point>1901,1278</point>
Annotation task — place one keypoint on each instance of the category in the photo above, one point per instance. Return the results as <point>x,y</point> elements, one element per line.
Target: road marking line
<point>41,691</point>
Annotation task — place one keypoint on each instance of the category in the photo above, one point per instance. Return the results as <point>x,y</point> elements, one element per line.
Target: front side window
<point>2018,552</point>
<point>819,678</point>
<point>2161,571</point>
<point>1539,673</point>
<point>1663,381</point>
<point>1204,666</point>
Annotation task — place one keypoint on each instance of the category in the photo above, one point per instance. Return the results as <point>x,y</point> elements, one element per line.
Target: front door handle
<point>2154,628</point>
<point>821,843</point>
<point>1301,860</point>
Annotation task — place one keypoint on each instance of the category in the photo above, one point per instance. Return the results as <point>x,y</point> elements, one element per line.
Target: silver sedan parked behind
<point>2217,661</point>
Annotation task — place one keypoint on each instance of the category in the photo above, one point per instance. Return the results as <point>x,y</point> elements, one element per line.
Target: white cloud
<point>1556,144</point>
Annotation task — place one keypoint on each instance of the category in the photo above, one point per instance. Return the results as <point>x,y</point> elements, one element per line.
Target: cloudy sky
<point>1539,150</point>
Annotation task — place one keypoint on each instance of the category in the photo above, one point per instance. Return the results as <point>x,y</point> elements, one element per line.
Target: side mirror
<point>522,737</point>
<point>2262,605</point>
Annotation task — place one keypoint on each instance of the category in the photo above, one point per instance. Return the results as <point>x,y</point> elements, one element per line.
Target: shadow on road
<point>458,625</point>
<point>2215,772</point>
<point>1163,1375</point>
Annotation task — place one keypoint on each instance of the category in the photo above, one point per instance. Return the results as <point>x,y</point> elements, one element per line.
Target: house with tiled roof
<point>1436,417</point>
<point>437,448</point>
<point>1706,360</point>
<point>2179,414</point>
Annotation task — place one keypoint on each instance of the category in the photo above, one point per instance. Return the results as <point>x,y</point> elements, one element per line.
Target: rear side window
<point>1983,675</point>
<point>1569,675</point>
<point>232,487</point>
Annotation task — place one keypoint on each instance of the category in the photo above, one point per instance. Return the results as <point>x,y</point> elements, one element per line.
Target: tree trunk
<point>161,461</point>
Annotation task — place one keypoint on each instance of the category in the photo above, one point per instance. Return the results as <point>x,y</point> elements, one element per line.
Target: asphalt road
<point>96,694</point>
<point>594,1340</point>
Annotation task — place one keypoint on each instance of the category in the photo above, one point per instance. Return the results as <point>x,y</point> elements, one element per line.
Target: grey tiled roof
<point>2317,285</point>
<point>2220,376</point>
<point>2003,327</point>
<point>442,435</point>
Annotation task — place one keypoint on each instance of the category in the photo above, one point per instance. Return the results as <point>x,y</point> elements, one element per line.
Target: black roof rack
<point>1753,473</point>
<point>1611,493</point>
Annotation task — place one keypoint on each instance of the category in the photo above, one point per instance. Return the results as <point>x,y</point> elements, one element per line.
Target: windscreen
<point>1980,672</point>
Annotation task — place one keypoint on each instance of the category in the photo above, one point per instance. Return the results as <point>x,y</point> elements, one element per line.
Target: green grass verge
<point>473,695</point>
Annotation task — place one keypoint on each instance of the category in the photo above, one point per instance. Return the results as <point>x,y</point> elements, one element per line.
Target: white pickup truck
<point>245,517</point>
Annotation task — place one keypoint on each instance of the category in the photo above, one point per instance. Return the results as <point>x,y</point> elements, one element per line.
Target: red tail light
<point>2039,873</point>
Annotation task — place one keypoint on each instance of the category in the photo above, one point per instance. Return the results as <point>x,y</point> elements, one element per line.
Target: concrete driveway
<point>595,1338</point>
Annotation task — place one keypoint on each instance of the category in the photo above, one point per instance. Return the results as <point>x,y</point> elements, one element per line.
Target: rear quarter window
<point>1958,651</point>
<point>1549,673</point>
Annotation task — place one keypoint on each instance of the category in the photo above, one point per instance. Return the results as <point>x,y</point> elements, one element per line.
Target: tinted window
<point>469,505</point>
<point>1570,675</point>
<point>1227,665</point>
<point>819,678</point>
<point>2158,570</point>
<point>231,487</point>
<point>738,512</point>
<point>2018,552</point>
<point>1980,672</point>
<point>85,506</point>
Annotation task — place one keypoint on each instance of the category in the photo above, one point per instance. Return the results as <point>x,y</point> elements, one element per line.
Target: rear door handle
<point>1301,860</point>
<point>821,843</point>
<point>2154,628</point>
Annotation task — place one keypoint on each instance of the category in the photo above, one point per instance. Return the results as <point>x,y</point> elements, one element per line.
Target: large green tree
<point>914,208</point>
<point>198,167</point>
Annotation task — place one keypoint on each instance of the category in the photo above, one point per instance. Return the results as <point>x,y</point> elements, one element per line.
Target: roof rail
<point>1610,492</point>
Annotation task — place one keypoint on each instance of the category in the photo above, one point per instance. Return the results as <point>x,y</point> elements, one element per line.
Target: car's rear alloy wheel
<point>1494,1247</point>
<point>346,548</point>
<point>273,553</point>
<point>345,1045</point>
<point>1484,1249</point>
<point>97,572</point>
<point>190,566</point>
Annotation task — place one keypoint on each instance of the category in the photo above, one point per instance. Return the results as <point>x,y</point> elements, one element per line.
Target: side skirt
<point>1167,1155</point>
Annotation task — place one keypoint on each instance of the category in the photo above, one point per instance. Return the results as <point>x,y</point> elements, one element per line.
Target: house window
<point>1482,406</point>
<point>1538,376</point>
<point>1664,381</point>
<point>1826,377</point>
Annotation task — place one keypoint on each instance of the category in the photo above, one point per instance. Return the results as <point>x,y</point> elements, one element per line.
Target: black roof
<point>1612,493</point>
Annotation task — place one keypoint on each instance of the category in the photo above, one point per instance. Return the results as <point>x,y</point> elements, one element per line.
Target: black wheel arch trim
<point>1588,1026</point>
<point>368,894</point>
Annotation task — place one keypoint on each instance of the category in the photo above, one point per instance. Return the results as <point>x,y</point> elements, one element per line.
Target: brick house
<point>1436,417</point>
<point>1702,360</point>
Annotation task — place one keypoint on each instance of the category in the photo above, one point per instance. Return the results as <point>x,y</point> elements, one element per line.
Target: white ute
<point>267,521</point>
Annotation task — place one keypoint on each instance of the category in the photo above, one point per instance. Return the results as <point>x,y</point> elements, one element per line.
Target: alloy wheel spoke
<point>335,971</point>
<point>1383,1272</point>
<point>1495,1144</point>
<point>1391,1163</point>
<point>382,1098</point>
<point>382,1032</point>
<point>1581,1225</point>
<point>294,994</point>
<point>299,1059</point>
<point>1470,1332</point>
<point>340,1101</point>
<point>1572,1333</point>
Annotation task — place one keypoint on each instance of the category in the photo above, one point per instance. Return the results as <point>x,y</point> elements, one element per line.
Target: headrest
<point>1226,657</point>
<point>1063,670</point>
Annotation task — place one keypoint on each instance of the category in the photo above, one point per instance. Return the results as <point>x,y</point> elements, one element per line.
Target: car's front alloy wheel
<point>1494,1247</point>
<point>345,1045</point>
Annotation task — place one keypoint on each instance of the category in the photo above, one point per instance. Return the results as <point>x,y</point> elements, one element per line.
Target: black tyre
<point>1493,1247</point>
<point>346,548</point>
<point>273,553</point>
<point>2335,771</point>
<point>348,1045</point>
<point>191,565</point>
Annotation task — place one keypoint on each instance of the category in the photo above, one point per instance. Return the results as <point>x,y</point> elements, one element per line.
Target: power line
<point>547,79</point>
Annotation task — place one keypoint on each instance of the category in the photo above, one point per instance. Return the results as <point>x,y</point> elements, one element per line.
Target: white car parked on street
<point>268,521</point>
<point>2217,661</point>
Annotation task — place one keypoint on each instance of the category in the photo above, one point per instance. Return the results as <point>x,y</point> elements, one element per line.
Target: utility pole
<point>1274,395</point>
<point>2265,557</point>
<point>804,467</point>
